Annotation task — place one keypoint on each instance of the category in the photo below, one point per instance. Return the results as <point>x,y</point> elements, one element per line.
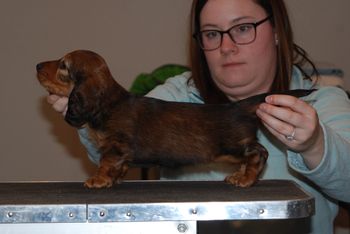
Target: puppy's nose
<point>39,66</point>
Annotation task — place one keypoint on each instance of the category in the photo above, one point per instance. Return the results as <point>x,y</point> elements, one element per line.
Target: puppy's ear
<point>88,101</point>
<point>76,114</point>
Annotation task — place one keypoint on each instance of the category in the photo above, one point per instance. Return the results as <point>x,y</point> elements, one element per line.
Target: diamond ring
<point>290,137</point>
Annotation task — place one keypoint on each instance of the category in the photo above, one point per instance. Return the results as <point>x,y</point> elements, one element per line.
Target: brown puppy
<point>140,130</point>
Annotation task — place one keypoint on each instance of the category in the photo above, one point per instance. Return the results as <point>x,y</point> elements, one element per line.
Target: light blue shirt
<point>329,182</point>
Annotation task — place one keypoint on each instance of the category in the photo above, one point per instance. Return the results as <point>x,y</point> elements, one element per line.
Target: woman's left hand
<point>295,123</point>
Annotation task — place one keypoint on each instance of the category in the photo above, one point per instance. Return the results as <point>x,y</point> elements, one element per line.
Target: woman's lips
<point>233,64</point>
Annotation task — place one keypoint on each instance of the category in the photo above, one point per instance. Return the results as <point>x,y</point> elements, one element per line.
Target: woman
<point>245,47</point>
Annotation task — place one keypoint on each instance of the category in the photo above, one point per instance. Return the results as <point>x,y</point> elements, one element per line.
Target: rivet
<point>10,214</point>
<point>261,211</point>
<point>128,213</point>
<point>194,211</point>
<point>71,214</point>
<point>102,213</point>
<point>182,228</point>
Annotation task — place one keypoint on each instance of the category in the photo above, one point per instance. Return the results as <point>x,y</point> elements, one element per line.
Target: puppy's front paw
<point>98,181</point>
<point>240,179</point>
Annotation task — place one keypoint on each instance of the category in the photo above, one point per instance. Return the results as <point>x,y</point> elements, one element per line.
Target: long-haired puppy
<point>128,129</point>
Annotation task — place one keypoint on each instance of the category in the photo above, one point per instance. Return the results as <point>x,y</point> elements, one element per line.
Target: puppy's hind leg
<point>110,171</point>
<point>251,166</point>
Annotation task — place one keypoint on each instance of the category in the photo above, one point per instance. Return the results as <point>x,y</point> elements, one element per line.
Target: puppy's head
<point>81,75</point>
<point>60,76</point>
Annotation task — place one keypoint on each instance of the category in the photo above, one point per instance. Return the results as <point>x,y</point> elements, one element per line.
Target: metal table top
<point>152,201</point>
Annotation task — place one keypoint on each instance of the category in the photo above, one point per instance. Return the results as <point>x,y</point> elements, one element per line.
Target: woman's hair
<point>288,53</point>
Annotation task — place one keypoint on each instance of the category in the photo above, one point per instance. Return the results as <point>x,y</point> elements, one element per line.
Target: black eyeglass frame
<point>197,36</point>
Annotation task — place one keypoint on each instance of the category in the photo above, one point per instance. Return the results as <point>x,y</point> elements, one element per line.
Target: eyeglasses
<point>241,34</point>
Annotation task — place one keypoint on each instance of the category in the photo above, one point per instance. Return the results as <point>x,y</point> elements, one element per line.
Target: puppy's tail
<point>251,104</point>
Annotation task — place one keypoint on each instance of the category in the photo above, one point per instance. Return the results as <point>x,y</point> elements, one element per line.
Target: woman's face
<point>240,71</point>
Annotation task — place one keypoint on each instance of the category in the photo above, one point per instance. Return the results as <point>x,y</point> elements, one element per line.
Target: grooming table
<point>144,206</point>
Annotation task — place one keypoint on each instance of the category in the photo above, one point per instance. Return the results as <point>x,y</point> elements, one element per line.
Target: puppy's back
<point>173,134</point>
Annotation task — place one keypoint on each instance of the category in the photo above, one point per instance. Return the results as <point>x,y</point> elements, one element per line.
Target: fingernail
<point>258,112</point>
<point>262,107</point>
<point>268,99</point>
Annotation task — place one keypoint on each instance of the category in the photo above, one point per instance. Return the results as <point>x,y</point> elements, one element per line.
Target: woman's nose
<point>227,44</point>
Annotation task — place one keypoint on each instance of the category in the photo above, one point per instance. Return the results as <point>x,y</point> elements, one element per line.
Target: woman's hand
<point>296,124</point>
<point>59,104</point>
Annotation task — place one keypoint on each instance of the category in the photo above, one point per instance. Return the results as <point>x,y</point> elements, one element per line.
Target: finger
<point>65,111</point>
<point>280,136</point>
<point>301,113</point>
<point>51,99</point>
<point>282,113</point>
<point>61,104</point>
<point>291,102</point>
<point>278,126</point>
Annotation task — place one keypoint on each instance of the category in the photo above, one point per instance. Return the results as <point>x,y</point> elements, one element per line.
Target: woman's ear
<point>276,39</point>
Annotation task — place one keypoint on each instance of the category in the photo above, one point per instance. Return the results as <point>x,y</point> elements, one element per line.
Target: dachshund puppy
<point>138,130</point>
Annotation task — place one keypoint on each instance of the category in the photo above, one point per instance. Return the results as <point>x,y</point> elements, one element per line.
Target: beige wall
<point>134,36</point>
<point>322,28</point>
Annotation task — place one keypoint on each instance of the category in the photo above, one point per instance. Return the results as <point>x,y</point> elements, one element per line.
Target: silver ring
<point>290,137</point>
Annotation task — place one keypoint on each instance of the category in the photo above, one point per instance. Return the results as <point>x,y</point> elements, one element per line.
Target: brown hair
<point>289,54</point>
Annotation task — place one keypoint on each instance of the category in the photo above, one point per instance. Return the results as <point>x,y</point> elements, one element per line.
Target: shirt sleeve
<point>93,153</point>
<point>178,88</point>
<point>333,173</point>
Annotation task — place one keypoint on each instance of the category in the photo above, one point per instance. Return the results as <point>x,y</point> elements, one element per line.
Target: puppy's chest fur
<point>150,131</point>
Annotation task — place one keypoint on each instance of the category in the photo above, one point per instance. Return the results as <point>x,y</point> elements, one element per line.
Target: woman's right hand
<point>59,103</point>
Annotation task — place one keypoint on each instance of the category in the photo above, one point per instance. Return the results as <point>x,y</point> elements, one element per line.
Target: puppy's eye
<point>62,66</point>
<point>63,72</point>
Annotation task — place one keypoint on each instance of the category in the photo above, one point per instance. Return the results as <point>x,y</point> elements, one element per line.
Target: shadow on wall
<point>67,136</point>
